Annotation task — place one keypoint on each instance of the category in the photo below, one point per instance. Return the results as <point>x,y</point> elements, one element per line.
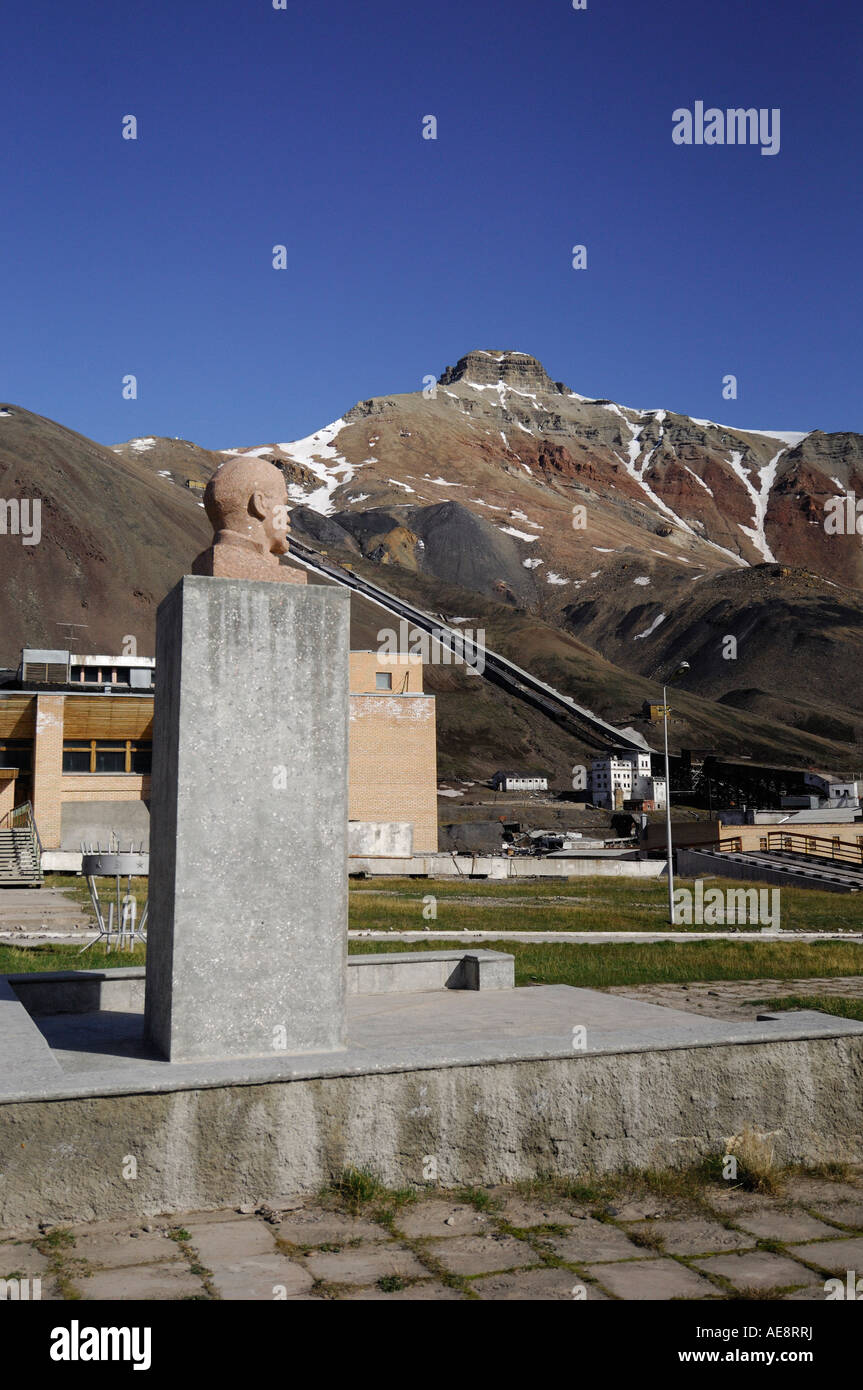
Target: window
<point>16,752</point>
<point>76,755</point>
<point>383,680</point>
<point>92,755</point>
<point>110,759</point>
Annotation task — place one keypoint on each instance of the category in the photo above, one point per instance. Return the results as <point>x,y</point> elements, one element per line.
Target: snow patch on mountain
<point>759,496</point>
<point>316,453</point>
<point>522,535</point>
<point>700,481</point>
<point>648,631</point>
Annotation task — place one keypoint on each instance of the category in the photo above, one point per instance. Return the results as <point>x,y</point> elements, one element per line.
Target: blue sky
<point>303,126</point>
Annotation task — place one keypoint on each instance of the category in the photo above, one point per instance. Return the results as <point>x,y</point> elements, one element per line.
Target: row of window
<point>83,755</point>
<point>94,755</point>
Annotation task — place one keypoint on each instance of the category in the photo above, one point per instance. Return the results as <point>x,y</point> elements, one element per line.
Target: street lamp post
<point>669,849</point>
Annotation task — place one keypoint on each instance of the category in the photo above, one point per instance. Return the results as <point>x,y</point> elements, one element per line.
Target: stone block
<point>247,934</point>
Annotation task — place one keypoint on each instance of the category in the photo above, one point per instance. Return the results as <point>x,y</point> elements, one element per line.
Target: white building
<point>519,782</point>
<point>834,791</point>
<point>621,777</point>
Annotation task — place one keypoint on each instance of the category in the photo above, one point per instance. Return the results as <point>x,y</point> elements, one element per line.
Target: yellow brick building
<point>77,735</point>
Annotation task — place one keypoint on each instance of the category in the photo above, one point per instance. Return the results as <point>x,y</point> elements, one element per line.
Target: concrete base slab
<point>104,1052</point>
<point>453,1086</point>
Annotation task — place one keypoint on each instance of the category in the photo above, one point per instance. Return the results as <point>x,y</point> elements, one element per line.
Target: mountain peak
<point>488,366</point>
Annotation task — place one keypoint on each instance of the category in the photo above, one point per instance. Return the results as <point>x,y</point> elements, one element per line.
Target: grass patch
<point>647,1240</point>
<point>57,1239</point>
<point>359,1190</point>
<point>75,887</point>
<point>20,960</point>
<point>479,1198</point>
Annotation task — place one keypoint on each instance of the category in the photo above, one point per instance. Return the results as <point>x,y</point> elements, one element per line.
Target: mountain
<point>115,537</point>
<point>596,544</point>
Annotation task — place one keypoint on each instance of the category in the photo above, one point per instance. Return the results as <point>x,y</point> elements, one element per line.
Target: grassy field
<point>684,962</point>
<point>584,904</point>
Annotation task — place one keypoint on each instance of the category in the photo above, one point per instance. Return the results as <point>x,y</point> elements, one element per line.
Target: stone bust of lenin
<point>247,503</point>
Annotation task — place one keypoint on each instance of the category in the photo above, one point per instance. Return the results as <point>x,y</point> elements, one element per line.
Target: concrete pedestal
<point>247,936</point>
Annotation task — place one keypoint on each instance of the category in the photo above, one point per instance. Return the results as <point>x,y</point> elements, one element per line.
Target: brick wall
<point>393,763</point>
<point>7,794</point>
<point>105,786</point>
<point>47,767</point>
<point>364,666</point>
<point>750,836</point>
<point>392,756</point>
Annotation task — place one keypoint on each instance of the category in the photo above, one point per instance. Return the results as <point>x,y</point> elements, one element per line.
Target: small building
<point>519,782</point>
<point>655,713</point>
<point>834,791</point>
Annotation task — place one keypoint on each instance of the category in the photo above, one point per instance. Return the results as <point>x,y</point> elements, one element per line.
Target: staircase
<point>20,850</point>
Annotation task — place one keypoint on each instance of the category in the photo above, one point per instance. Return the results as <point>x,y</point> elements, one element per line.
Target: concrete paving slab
<point>226,1241</point>
<point>428,1292</point>
<point>848,1214</point>
<point>785,1226</point>
<point>482,1254</point>
<point>645,1208</point>
<point>591,1240</point>
<point>164,1281</point>
<point>208,1218</point>
<point>659,1279</point>
<point>537,1285</point>
<point>260,1278</point>
<point>758,1269</point>
<point>836,1255</point>
<point>812,1191</point>
<point>692,1236</point>
<point>22,1260</point>
<point>817,1293</point>
<point>364,1265</point>
<point>525,1213</point>
<point>327,1228</point>
<point>103,1252</point>
<point>441,1218</point>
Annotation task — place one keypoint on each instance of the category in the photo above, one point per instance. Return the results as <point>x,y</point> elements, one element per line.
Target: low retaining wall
<point>220,1146</point>
<point>503,867</point>
<point>404,972</point>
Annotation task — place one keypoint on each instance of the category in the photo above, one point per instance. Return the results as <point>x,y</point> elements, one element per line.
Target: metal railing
<point>831,847</point>
<point>22,818</point>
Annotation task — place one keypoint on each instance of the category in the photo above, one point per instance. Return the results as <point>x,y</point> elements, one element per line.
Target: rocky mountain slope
<point>115,536</point>
<point>598,544</point>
